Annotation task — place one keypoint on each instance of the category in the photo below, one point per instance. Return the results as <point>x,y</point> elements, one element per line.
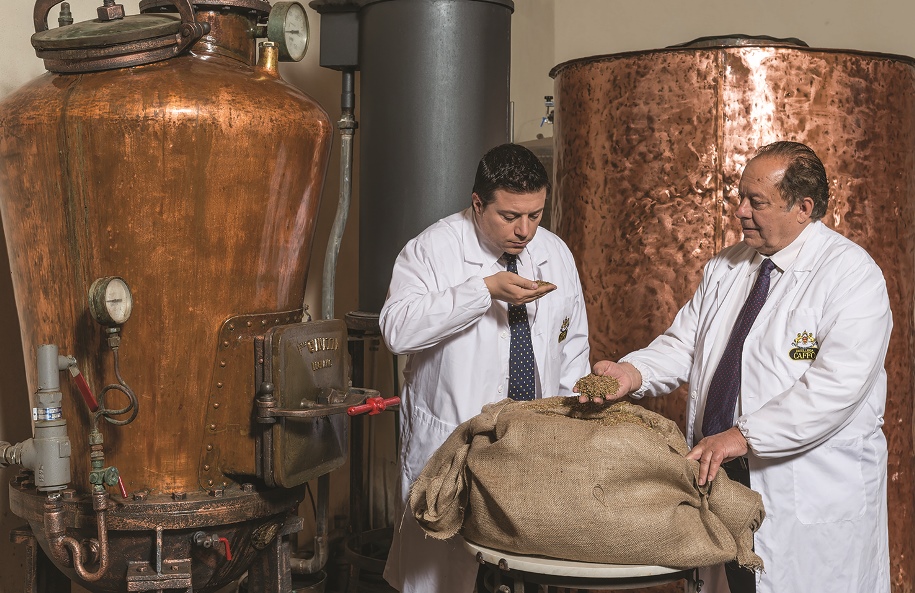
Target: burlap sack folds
<point>584,482</point>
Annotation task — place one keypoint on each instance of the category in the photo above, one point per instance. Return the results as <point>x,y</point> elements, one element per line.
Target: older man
<point>783,348</point>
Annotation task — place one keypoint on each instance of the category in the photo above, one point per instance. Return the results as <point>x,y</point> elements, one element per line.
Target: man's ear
<point>477,203</point>
<point>804,209</point>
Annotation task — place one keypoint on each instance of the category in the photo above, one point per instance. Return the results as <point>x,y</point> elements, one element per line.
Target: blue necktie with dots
<point>521,357</point>
<point>725,386</point>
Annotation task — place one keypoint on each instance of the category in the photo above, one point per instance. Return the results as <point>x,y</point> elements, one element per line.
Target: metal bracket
<point>175,575</point>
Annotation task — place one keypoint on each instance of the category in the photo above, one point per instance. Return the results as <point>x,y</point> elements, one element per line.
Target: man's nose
<point>522,227</point>
<point>743,209</point>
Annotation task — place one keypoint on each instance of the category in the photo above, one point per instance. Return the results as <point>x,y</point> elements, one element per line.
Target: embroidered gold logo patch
<point>564,330</point>
<point>805,347</point>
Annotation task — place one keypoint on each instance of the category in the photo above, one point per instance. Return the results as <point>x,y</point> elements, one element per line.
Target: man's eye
<point>509,218</point>
<point>536,216</point>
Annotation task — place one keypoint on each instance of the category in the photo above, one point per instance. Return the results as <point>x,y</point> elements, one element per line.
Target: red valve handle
<point>84,390</point>
<point>228,551</point>
<point>373,405</point>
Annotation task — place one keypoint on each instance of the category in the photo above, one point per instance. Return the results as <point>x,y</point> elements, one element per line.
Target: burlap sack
<point>584,482</point>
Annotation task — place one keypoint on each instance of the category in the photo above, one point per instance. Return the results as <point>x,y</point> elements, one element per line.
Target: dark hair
<point>512,168</point>
<point>804,175</point>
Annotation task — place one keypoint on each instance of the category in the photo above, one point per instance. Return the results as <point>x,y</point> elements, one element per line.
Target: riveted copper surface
<point>649,148</point>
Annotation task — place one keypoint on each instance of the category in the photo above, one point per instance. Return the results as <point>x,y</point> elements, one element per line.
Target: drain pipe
<point>319,559</point>
<point>347,125</point>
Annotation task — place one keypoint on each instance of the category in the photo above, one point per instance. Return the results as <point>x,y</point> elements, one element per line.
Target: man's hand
<point>515,290</point>
<point>628,377</point>
<point>712,451</point>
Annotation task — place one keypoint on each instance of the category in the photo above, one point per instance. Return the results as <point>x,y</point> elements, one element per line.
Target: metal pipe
<point>60,543</point>
<point>319,558</point>
<point>347,125</point>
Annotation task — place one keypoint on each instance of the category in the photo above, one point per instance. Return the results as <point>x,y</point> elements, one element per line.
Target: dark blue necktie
<point>521,357</point>
<point>725,386</point>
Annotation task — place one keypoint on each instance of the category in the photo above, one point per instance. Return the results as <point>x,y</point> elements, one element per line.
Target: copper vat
<point>649,147</point>
<point>197,179</point>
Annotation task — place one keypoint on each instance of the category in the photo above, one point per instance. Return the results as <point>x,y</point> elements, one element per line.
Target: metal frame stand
<point>365,550</point>
<point>41,575</point>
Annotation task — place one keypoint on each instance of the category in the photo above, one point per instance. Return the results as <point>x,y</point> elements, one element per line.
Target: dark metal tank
<point>434,89</point>
<point>196,177</point>
<point>649,148</point>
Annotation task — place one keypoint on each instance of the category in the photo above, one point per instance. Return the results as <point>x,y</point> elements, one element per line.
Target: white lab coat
<point>440,313</point>
<point>817,452</point>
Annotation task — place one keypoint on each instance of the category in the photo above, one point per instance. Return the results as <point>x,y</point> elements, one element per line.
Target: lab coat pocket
<point>428,434</point>
<point>829,483</point>
<point>560,321</point>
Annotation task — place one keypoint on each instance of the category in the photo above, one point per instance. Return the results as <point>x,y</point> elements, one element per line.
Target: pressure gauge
<point>110,301</point>
<point>287,27</point>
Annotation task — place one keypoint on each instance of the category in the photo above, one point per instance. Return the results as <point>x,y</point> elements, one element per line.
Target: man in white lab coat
<point>448,308</point>
<point>808,388</point>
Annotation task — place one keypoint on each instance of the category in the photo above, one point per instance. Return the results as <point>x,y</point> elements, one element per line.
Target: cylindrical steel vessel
<point>649,148</point>
<point>434,85</point>
<point>196,179</point>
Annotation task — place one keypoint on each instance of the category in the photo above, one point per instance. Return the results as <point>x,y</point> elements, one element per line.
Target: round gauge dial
<point>287,27</point>
<point>110,301</point>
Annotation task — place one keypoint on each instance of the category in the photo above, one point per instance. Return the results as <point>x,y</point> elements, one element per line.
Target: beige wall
<point>548,32</point>
<point>544,33</point>
<point>590,27</point>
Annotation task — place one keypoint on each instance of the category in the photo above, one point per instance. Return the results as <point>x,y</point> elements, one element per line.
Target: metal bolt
<point>215,405</point>
<point>179,495</point>
<point>247,488</point>
<point>248,324</point>
<point>503,564</point>
<point>68,494</point>
<point>222,363</point>
<point>206,468</point>
<point>219,384</point>
<point>225,344</point>
<point>209,482</point>
<point>209,447</point>
<point>141,495</point>
<point>212,427</point>
<point>141,569</point>
<point>231,327</point>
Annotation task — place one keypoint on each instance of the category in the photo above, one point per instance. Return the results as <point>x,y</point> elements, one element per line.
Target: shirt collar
<point>785,257</point>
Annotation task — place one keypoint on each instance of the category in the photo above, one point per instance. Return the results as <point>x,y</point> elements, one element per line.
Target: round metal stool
<point>510,573</point>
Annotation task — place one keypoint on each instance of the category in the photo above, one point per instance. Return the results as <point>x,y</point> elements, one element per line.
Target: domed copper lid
<point>113,40</point>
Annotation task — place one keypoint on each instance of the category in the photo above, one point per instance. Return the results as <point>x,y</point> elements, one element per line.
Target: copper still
<point>160,153</point>
<point>649,148</point>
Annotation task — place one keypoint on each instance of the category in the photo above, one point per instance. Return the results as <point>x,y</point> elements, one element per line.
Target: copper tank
<point>197,179</point>
<point>649,148</point>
